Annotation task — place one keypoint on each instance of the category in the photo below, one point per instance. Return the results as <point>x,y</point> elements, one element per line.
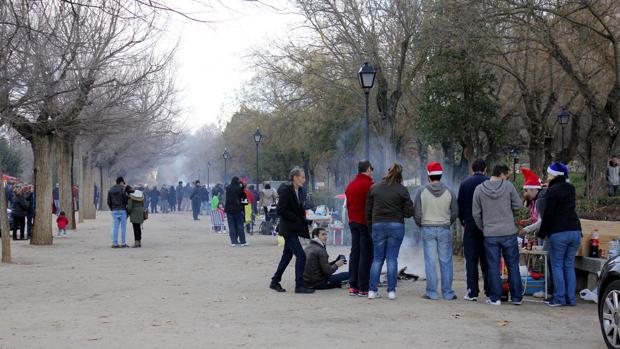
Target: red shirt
<point>356,193</point>
<point>62,222</point>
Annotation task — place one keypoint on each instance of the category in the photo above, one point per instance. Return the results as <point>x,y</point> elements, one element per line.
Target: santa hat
<point>532,181</point>
<point>558,169</point>
<point>434,169</point>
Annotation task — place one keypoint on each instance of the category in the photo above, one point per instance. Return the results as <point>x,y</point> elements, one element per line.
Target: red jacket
<point>62,222</point>
<point>357,192</point>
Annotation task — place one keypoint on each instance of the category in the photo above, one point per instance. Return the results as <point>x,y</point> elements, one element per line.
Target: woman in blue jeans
<point>560,224</point>
<point>387,206</point>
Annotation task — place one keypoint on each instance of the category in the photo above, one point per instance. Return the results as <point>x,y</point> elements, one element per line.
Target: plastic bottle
<point>594,244</point>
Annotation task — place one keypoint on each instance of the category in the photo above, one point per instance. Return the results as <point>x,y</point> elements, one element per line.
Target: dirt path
<point>186,288</point>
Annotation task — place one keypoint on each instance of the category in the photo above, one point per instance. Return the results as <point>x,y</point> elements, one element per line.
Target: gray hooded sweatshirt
<point>493,207</point>
<point>435,205</point>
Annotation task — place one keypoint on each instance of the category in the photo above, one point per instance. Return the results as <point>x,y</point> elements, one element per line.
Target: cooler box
<point>533,285</point>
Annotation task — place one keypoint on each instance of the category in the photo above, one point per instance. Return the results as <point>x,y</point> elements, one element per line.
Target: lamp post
<point>257,138</point>
<point>226,156</point>
<point>515,160</point>
<point>563,118</point>
<point>367,80</point>
<point>208,172</point>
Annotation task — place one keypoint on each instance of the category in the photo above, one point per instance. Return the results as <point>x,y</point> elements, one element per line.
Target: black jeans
<point>19,221</point>
<point>292,247</point>
<point>195,209</point>
<point>361,257</point>
<point>473,245</point>
<point>137,231</point>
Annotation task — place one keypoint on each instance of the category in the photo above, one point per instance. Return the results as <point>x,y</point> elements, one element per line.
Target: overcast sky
<point>212,62</point>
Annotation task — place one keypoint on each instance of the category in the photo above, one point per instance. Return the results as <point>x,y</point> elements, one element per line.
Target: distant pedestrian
<point>473,237</point>
<point>135,208</point>
<point>154,198</point>
<point>493,207</point>
<point>361,255</point>
<point>293,225</point>
<point>387,206</point>
<point>62,223</point>
<point>163,198</point>
<point>268,198</point>
<point>180,193</point>
<point>117,202</point>
<point>187,192</point>
<point>172,198</point>
<point>613,176</point>
<point>561,225</point>
<point>19,211</point>
<point>196,200</point>
<point>56,197</point>
<point>234,207</point>
<point>435,210</point>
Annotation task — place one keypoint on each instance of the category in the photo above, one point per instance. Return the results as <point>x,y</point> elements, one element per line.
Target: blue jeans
<point>292,247</point>
<point>235,228</point>
<point>334,281</point>
<point>508,247</point>
<point>386,238</point>
<point>437,242</point>
<point>563,248</point>
<point>119,217</point>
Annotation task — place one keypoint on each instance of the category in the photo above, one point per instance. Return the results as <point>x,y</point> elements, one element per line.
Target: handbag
<point>146,215</point>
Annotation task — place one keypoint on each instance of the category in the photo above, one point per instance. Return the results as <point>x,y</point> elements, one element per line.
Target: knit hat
<point>434,169</point>
<point>137,194</point>
<point>532,181</point>
<point>558,169</point>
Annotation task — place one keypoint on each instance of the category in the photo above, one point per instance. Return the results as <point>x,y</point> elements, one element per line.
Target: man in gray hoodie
<point>435,209</point>
<point>493,207</point>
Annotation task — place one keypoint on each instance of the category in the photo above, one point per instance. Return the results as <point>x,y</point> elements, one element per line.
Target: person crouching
<point>319,272</point>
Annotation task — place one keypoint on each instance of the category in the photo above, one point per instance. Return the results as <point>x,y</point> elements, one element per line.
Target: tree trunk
<point>78,178</point>
<point>536,152</point>
<point>87,194</point>
<point>105,187</point>
<point>65,162</point>
<point>6,236</point>
<point>42,148</point>
<point>597,156</point>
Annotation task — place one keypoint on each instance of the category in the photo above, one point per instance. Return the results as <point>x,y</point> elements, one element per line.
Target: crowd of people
<point>485,206</point>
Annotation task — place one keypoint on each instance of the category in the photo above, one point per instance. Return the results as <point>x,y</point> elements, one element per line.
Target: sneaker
<point>373,295</point>
<point>234,245</point>
<point>425,296</point>
<point>453,298</point>
<point>362,294</point>
<point>115,246</point>
<point>497,302</point>
<point>276,287</point>
<point>553,305</point>
<point>392,295</point>
<point>304,290</point>
<point>353,292</point>
<point>517,302</point>
<point>468,298</point>
<point>245,244</point>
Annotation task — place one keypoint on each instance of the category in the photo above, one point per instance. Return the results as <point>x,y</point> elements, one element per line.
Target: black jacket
<point>559,214</point>
<point>388,203</point>
<point>195,195</point>
<point>234,195</point>
<point>20,206</point>
<point>466,197</point>
<point>117,198</point>
<point>292,214</point>
<point>318,268</point>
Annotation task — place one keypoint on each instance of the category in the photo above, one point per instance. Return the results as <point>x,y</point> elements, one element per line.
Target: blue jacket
<point>466,196</point>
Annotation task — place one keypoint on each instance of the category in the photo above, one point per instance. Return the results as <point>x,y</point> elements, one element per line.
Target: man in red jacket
<point>361,241</point>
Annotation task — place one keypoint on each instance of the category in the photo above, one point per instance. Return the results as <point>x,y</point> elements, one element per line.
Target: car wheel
<point>609,314</point>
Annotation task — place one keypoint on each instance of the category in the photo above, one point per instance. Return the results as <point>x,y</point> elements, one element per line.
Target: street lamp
<point>563,118</point>
<point>515,160</point>
<point>208,171</point>
<point>226,156</point>
<point>257,138</point>
<point>367,80</point>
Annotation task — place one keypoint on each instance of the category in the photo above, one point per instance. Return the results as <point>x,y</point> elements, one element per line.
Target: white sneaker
<point>468,298</point>
<point>392,295</point>
<point>497,302</point>
<point>373,295</point>
<point>234,245</point>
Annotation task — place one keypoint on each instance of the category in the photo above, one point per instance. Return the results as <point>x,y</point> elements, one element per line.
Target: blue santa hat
<point>558,169</point>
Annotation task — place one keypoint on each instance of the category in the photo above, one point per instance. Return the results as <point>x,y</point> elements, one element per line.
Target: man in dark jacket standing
<point>293,225</point>
<point>117,202</point>
<point>473,238</point>
<point>234,208</point>
<point>319,272</point>
<point>179,192</point>
<point>196,200</point>
<point>361,256</point>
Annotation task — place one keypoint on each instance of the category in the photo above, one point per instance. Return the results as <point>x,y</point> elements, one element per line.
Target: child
<point>218,219</point>
<point>62,222</point>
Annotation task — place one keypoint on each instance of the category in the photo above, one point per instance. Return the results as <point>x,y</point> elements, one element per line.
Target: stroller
<point>218,221</point>
<point>268,226</point>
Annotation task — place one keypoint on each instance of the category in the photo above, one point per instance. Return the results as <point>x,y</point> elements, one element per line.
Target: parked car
<point>609,302</point>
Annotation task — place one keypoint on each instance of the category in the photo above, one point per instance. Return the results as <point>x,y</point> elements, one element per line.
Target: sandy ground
<point>186,288</point>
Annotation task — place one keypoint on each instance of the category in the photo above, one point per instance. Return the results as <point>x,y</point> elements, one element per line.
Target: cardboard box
<point>607,231</point>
